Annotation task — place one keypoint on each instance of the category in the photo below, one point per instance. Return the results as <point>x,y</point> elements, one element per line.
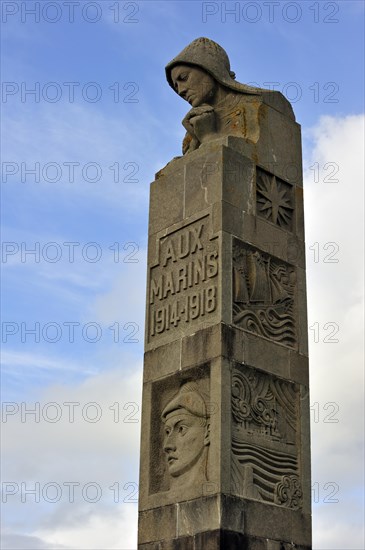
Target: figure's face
<point>186,436</point>
<point>193,84</point>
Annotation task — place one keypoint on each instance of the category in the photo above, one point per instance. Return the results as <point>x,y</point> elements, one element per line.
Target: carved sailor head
<point>211,60</point>
<point>186,436</point>
<point>201,75</point>
<point>221,106</point>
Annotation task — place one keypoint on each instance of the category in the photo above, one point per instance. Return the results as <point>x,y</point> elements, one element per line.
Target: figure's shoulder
<point>276,100</point>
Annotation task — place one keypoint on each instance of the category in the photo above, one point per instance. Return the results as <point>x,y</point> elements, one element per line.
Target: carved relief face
<point>193,84</point>
<point>186,436</point>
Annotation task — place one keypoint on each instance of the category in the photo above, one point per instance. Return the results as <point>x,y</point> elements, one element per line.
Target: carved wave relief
<point>265,406</point>
<point>265,464</point>
<point>263,294</point>
<point>266,475</point>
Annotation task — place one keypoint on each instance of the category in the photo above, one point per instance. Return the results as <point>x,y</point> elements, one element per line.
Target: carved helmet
<point>211,57</point>
<point>188,399</point>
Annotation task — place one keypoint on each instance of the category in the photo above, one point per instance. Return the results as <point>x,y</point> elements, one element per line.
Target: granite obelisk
<point>225,444</point>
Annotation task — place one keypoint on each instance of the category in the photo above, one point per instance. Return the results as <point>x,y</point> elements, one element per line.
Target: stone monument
<point>225,446</point>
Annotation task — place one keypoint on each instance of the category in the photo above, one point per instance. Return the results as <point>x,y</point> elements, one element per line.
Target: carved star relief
<point>274,200</point>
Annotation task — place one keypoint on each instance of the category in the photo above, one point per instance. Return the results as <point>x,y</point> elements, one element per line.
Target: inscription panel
<point>264,294</point>
<point>265,432</point>
<point>183,284</point>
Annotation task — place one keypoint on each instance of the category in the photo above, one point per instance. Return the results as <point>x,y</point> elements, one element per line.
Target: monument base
<point>223,522</point>
<point>221,540</point>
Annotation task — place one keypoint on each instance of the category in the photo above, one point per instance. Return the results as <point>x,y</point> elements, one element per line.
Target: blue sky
<point>313,51</point>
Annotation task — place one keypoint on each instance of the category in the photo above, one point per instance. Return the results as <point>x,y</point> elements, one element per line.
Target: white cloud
<point>117,398</point>
<point>126,297</point>
<point>103,452</point>
<point>334,214</point>
<point>12,541</point>
<point>12,360</point>
<point>116,530</point>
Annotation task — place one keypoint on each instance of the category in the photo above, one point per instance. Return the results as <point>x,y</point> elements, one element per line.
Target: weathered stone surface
<point>251,349</point>
<point>276,523</point>
<point>222,540</point>
<point>198,516</point>
<point>166,202</point>
<point>302,312</point>
<point>225,454</point>
<point>201,346</point>
<point>161,361</point>
<point>298,368</point>
<point>157,524</point>
<point>251,523</point>
<point>304,449</point>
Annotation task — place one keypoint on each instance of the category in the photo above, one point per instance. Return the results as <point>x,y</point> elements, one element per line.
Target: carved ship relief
<point>265,464</point>
<point>263,294</point>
